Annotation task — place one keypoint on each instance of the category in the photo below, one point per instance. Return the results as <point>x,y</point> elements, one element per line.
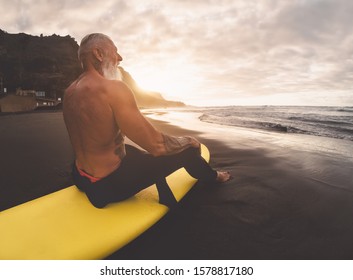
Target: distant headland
<point>35,70</point>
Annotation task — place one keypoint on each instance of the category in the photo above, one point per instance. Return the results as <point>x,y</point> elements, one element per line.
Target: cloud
<point>240,48</point>
<point>303,46</point>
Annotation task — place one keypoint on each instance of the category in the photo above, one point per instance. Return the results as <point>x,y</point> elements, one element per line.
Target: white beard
<point>111,72</point>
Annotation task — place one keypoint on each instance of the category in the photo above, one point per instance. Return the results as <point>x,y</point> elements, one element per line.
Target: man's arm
<point>137,128</point>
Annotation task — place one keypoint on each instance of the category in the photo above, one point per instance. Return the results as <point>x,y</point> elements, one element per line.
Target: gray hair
<point>91,41</point>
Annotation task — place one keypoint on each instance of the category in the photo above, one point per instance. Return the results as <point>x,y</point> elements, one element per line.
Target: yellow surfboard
<point>64,225</point>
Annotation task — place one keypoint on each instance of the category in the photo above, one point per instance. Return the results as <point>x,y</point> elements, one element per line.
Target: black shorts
<point>139,170</point>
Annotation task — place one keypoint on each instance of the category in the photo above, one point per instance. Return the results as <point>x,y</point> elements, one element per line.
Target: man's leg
<point>149,170</point>
<point>139,170</point>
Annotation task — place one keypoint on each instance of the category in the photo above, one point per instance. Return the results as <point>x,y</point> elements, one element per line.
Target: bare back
<point>98,110</point>
<point>95,135</point>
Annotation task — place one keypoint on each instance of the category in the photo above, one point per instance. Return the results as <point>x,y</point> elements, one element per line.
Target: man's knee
<point>192,152</point>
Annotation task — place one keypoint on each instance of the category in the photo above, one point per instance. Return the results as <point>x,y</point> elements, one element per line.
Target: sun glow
<point>174,82</point>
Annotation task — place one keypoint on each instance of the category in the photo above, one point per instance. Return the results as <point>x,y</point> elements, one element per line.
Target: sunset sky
<point>215,52</point>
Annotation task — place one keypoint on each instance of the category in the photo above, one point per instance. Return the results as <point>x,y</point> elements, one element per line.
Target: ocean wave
<point>321,121</point>
<point>342,121</point>
<point>345,109</point>
<point>250,124</point>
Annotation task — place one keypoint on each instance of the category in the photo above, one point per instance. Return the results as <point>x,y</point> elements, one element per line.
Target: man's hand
<point>194,142</point>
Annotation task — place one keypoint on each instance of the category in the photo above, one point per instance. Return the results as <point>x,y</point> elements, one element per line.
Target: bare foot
<point>223,176</point>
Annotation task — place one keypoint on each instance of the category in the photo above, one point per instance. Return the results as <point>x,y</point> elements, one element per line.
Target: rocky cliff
<point>50,64</point>
<point>40,63</point>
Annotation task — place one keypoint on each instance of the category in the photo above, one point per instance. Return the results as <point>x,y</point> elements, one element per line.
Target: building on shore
<point>26,100</point>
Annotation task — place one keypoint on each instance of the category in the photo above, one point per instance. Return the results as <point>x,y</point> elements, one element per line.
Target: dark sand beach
<point>282,203</point>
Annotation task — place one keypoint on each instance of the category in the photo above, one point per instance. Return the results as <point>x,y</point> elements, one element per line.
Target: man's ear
<point>98,54</point>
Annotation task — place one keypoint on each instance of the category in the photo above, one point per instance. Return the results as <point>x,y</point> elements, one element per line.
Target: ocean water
<point>332,122</point>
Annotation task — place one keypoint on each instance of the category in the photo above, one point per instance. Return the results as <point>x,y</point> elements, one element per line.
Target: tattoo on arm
<point>175,144</point>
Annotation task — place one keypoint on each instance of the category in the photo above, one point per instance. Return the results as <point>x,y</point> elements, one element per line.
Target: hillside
<point>50,64</point>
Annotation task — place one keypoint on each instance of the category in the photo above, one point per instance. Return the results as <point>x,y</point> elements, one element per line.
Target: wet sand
<point>281,204</point>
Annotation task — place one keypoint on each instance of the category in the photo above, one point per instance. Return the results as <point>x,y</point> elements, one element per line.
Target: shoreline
<point>281,204</point>
<point>274,208</point>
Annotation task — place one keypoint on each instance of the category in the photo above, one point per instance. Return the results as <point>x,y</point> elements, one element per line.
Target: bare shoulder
<point>118,88</point>
<point>68,91</point>
<point>120,93</point>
